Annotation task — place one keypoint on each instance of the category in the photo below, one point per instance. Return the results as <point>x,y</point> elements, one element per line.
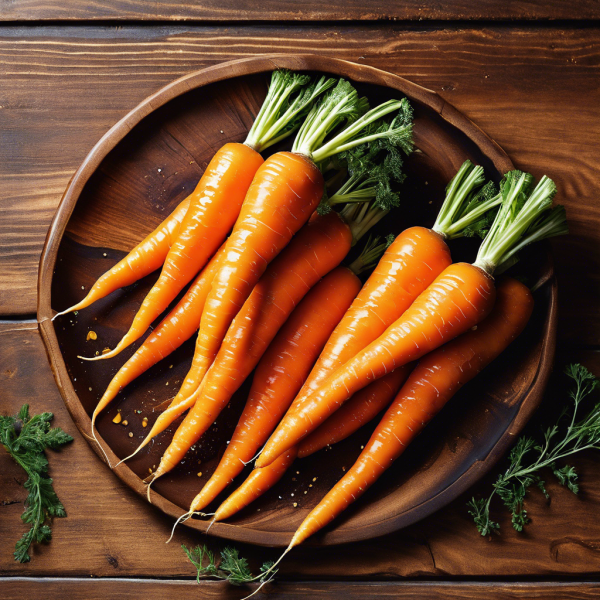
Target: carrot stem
<point>288,100</point>
<point>522,219</point>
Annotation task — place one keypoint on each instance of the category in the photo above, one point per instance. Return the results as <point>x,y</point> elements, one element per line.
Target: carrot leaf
<point>568,436</point>
<point>289,99</point>
<point>524,217</point>
<point>26,438</point>
<point>231,567</point>
<point>340,106</point>
<point>467,208</point>
<point>371,253</point>
<point>370,129</point>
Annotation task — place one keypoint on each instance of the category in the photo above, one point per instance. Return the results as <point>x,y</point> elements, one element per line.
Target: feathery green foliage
<point>231,568</point>
<point>570,434</point>
<point>26,438</point>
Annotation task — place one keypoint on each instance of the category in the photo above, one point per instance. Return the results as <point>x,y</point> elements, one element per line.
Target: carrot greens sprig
<point>288,101</point>
<point>231,567</point>
<point>342,106</point>
<point>522,219</point>
<point>568,436</point>
<point>26,438</point>
<point>466,210</point>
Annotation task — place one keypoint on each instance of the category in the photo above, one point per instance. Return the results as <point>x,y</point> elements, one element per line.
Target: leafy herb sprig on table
<point>25,438</point>
<point>231,567</point>
<point>567,437</point>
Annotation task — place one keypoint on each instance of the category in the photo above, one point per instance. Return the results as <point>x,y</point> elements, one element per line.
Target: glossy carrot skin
<point>362,408</point>
<point>258,482</point>
<point>281,373</point>
<point>148,256</point>
<point>411,263</point>
<point>285,192</point>
<point>380,393</point>
<point>214,207</point>
<point>318,248</point>
<point>457,300</point>
<point>176,328</point>
<point>434,381</point>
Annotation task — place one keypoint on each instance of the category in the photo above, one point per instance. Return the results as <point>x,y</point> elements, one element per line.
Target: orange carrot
<point>361,409</point>
<point>217,200</point>
<point>214,206</point>
<point>434,381</point>
<point>177,327</point>
<point>280,374</point>
<point>145,258</point>
<point>410,264</point>
<point>285,191</point>
<point>257,483</point>
<point>457,300</point>
<point>318,248</point>
<point>408,267</point>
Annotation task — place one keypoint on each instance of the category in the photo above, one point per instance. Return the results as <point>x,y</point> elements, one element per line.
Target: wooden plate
<point>137,173</point>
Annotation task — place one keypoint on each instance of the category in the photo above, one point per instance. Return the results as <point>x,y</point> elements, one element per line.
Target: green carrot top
<point>342,107</point>
<point>467,210</point>
<point>524,217</point>
<point>289,99</point>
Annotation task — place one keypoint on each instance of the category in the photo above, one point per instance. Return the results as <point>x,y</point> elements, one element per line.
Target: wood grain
<point>108,198</point>
<point>111,532</point>
<point>533,90</point>
<point>84,589</point>
<point>305,10</point>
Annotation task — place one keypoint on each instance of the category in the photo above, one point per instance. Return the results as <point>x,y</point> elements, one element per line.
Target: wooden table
<point>528,73</point>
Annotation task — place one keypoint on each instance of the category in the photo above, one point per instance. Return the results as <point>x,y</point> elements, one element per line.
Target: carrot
<point>361,409</point>
<point>317,249</point>
<point>146,257</point>
<point>258,482</point>
<point>280,374</point>
<point>232,284</point>
<point>285,191</point>
<point>434,381</point>
<point>411,263</point>
<point>460,297</point>
<point>216,204</point>
<point>177,327</point>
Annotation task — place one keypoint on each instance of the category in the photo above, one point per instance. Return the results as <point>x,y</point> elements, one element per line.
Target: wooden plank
<point>533,90</point>
<point>131,589</point>
<point>111,532</point>
<point>306,10</point>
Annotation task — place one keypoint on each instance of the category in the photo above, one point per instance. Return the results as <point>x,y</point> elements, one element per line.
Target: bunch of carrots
<point>260,245</point>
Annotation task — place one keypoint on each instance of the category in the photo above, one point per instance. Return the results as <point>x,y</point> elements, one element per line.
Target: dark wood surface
<point>118,193</point>
<point>533,87</point>
<point>304,10</point>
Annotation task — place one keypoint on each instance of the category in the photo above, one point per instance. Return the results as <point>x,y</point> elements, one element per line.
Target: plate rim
<point>230,70</point>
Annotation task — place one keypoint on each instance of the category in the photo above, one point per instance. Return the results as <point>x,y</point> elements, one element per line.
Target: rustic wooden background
<point>527,72</point>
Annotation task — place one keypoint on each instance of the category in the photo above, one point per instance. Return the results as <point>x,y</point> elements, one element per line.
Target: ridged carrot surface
<point>286,190</point>
<point>258,482</point>
<point>177,327</point>
<point>434,381</point>
<point>148,256</point>
<point>318,248</point>
<point>214,206</point>
<point>412,262</point>
<point>457,300</point>
<point>361,409</point>
<point>281,373</point>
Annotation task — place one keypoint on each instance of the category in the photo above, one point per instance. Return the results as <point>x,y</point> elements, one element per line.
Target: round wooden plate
<point>137,173</point>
